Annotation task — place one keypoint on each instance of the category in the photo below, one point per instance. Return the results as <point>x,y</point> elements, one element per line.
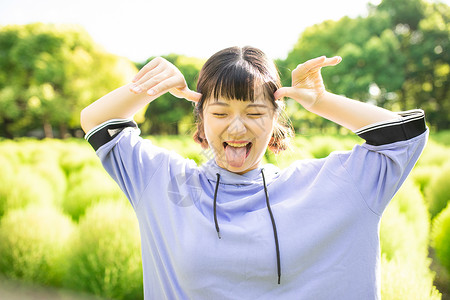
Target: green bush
<point>105,258</point>
<point>87,186</point>
<point>434,154</point>
<point>34,243</point>
<point>300,145</point>
<point>401,281</point>
<point>441,137</point>
<point>6,176</point>
<point>74,155</point>
<point>321,146</point>
<point>438,191</point>
<point>27,187</point>
<point>441,237</point>
<point>405,226</point>
<point>31,174</point>
<point>422,176</point>
<point>404,237</point>
<point>43,158</point>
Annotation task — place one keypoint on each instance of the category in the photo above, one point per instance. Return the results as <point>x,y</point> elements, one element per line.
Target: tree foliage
<point>48,73</point>
<point>395,57</point>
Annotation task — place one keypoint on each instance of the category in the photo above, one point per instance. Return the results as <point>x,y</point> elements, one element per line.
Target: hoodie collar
<point>251,177</point>
<point>210,169</point>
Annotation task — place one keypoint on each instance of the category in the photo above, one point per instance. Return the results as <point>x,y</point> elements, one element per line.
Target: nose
<point>237,128</point>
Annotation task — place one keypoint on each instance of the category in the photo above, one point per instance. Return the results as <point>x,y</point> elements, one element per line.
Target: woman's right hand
<point>160,76</point>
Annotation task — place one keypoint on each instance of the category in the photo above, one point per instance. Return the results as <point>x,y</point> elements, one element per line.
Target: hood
<point>261,175</point>
<point>210,169</point>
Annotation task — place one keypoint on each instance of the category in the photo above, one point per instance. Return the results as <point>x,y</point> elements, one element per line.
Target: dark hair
<point>233,73</point>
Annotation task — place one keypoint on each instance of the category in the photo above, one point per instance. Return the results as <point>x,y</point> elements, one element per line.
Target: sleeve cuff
<point>410,124</point>
<point>107,131</point>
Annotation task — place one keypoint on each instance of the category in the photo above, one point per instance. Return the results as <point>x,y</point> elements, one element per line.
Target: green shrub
<point>8,150</point>
<point>434,154</point>
<point>422,176</point>
<point>87,186</point>
<point>75,155</point>
<point>404,237</point>
<point>27,187</point>
<point>441,137</point>
<point>6,175</point>
<point>43,158</point>
<point>438,190</point>
<point>405,226</point>
<point>322,146</point>
<point>299,148</point>
<point>441,237</point>
<point>30,174</point>
<point>400,280</point>
<point>33,244</point>
<point>105,257</point>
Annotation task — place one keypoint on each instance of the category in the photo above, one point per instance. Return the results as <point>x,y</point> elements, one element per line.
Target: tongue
<point>235,155</point>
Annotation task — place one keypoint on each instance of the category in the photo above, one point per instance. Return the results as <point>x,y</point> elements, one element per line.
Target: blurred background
<point>65,227</point>
<point>394,54</point>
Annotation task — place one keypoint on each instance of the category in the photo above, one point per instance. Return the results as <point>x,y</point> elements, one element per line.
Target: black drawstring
<point>215,206</point>
<point>274,227</point>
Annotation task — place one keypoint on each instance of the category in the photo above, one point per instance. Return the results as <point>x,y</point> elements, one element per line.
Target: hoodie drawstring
<point>272,219</point>
<point>215,206</point>
<point>274,228</point>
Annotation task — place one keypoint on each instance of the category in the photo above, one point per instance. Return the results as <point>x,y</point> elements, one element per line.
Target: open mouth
<point>248,146</point>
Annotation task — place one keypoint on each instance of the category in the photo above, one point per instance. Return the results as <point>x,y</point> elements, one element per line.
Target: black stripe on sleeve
<point>410,124</point>
<point>107,131</point>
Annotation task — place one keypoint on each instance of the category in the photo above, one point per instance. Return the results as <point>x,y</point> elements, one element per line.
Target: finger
<point>283,92</point>
<point>150,74</point>
<point>186,93</point>
<point>315,64</point>
<point>307,66</point>
<point>165,85</point>
<point>192,96</point>
<point>332,61</point>
<point>149,66</point>
<point>164,77</point>
<point>311,64</point>
<point>147,82</point>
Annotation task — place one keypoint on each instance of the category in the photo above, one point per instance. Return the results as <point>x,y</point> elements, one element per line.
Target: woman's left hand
<point>307,84</point>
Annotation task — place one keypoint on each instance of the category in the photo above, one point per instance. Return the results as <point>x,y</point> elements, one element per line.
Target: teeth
<point>238,144</point>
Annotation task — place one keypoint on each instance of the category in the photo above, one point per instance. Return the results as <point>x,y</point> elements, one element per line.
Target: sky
<point>138,29</point>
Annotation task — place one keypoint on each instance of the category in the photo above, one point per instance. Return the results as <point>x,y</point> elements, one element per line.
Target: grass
<point>53,172</point>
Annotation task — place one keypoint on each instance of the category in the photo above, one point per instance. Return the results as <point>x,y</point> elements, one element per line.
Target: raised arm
<point>153,80</point>
<point>308,90</point>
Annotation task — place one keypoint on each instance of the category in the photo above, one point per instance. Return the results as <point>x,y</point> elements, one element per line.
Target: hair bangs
<point>239,83</point>
<point>234,82</point>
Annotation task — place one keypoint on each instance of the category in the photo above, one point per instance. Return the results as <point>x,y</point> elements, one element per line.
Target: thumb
<point>189,94</point>
<point>284,92</point>
<point>186,93</point>
<point>193,96</point>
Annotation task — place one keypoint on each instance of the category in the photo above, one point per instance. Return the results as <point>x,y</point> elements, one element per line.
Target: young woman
<point>232,228</point>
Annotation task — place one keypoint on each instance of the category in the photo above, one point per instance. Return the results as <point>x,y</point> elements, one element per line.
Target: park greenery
<point>65,223</point>
<point>396,57</point>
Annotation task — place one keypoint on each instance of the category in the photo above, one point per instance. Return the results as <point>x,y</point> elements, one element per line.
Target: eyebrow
<point>250,105</point>
<point>219,103</point>
<point>257,105</point>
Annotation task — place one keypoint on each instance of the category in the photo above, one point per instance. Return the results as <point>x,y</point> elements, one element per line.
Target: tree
<point>395,57</point>
<point>48,73</point>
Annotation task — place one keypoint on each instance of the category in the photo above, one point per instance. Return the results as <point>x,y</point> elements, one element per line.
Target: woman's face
<point>238,131</point>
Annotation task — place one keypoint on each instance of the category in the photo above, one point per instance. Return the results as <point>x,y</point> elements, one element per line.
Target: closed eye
<point>219,115</point>
<point>255,115</point>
